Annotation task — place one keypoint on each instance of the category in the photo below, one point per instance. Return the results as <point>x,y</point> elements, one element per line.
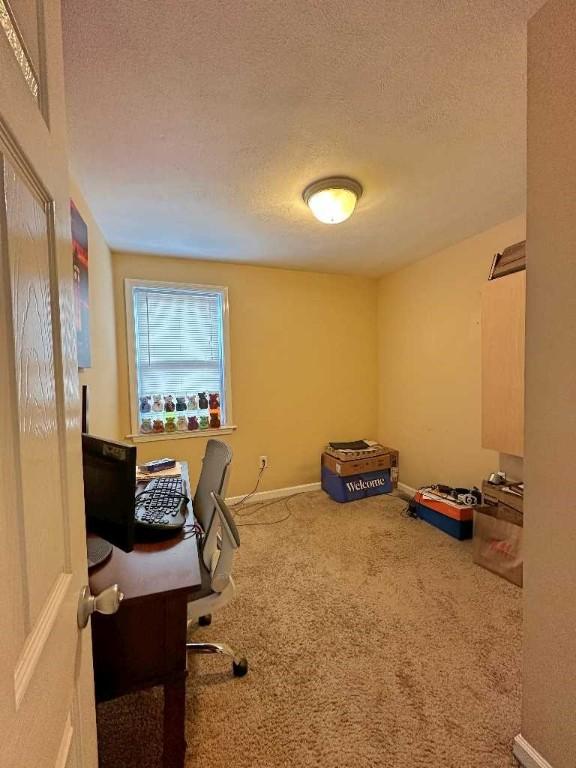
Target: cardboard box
<point>497,543</point>
<point>346,465</point>
<point>354,487</point>
<point>497,494</point>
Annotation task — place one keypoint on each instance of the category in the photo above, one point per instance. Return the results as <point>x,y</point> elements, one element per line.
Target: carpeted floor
<point>373,640</point>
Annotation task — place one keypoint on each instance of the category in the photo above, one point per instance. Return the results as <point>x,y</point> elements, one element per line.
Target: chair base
<point>239,663</point>
<point>205,621</point>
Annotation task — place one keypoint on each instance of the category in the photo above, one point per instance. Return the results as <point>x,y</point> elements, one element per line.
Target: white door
<point>46,689</point>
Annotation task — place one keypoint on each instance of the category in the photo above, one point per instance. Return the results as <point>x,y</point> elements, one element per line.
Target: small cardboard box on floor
<point>349,477</point>
<point>497,542</point>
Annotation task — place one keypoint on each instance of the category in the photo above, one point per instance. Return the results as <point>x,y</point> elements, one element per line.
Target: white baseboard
<point>407,489</point>
<point>527,755</point>
<point>277,493</point>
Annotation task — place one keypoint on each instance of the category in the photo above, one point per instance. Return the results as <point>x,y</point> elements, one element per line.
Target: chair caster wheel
<point>239,669</point>
<point>205,621</point>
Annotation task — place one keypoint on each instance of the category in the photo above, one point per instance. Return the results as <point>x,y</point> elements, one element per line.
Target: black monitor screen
<point>109,489</point>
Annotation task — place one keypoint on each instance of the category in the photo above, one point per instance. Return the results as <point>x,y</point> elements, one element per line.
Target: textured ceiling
<point>195,125</point>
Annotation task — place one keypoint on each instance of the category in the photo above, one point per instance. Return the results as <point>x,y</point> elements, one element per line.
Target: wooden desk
<point>144,644</point>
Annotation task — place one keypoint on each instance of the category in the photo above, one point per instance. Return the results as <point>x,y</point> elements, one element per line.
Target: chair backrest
<point>223,558</point>
<point>213,479</point>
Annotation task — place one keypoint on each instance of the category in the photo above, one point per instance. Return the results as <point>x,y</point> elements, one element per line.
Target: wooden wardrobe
<point>503,341</point>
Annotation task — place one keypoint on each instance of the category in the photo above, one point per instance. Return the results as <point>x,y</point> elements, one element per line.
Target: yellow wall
<point>429,361</point>
<point>549,661</point>
<point>307,352</point>
<point>303,349</point>
<point>102,376</point>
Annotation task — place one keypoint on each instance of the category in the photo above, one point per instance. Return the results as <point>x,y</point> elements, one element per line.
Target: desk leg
<point>174,748</point>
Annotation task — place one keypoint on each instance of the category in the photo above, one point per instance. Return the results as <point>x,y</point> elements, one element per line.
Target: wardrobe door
<point>503,341</point>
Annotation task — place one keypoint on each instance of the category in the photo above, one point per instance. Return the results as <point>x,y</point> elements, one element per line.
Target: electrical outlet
<point>263,462</point>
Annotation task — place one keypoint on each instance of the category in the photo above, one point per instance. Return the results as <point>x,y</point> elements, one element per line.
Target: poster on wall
<point>81,298</point>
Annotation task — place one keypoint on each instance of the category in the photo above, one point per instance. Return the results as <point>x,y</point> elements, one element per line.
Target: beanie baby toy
<point>146,426</point>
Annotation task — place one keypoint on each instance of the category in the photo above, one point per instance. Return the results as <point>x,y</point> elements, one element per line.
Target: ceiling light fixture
<point>332,200</point>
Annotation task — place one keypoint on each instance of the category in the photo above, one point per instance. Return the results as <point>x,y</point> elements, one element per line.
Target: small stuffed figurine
<point>215,420</point>
<point>170,425</point>
<point>192,423</point>
<point>157,425</point>
<point>169,404</point>
<point>180,403</point>
<point>157,404</point>
<point>203,422</point>
<point>214,401</point>
<point>146,426</point>
<point>192,402</point>
<point>145,405</point>
<point>181,424</point>
<point>202,401</point>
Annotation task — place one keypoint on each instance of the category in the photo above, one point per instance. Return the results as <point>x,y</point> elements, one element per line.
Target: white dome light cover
<point>333,200</point>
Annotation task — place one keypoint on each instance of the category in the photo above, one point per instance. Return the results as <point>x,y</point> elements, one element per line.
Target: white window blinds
<point>179,341</point>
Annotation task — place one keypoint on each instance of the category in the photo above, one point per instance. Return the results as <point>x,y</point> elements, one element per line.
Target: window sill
<point>155,436</point>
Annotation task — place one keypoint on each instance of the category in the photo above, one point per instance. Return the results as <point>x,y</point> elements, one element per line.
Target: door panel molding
<point>59,381</point>
<point>17,43</point>
<point>10,147</point>
<point>36,640</point>
<point>11,151</point>
<point>64,748</point>
<point>22,595</point>
<point>12,160</point>
<point>37,386</point>
<point>33,66</point>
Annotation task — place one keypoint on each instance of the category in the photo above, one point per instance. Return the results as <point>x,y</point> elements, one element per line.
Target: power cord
<point>411,510</point>
<point>192,530</point>
<point>259,507</point>
<point>252,492</point>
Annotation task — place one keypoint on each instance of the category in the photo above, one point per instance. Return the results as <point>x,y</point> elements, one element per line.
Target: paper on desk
<point>173,472</point>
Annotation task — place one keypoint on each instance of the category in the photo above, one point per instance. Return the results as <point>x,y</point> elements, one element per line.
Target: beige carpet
<point>373,640</point>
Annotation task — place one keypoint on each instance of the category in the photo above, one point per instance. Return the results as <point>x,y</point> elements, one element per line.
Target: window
<point>178,350</point>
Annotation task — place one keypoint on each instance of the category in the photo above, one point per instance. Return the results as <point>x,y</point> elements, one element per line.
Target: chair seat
<point>205,606</point>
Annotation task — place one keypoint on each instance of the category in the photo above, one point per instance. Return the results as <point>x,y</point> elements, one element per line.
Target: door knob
<point>108,601</point>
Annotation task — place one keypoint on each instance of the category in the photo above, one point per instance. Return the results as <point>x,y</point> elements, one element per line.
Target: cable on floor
<point>259,507</point>
<point>252,492</point>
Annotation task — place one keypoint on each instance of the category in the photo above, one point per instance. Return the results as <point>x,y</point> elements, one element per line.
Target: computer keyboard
<point>161,505</point>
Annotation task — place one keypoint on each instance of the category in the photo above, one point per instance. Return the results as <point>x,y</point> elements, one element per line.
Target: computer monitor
<point>109,490</point>
<point>85,428</point>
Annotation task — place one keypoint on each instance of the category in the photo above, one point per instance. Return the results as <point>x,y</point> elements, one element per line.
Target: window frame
<point>136,435</point>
